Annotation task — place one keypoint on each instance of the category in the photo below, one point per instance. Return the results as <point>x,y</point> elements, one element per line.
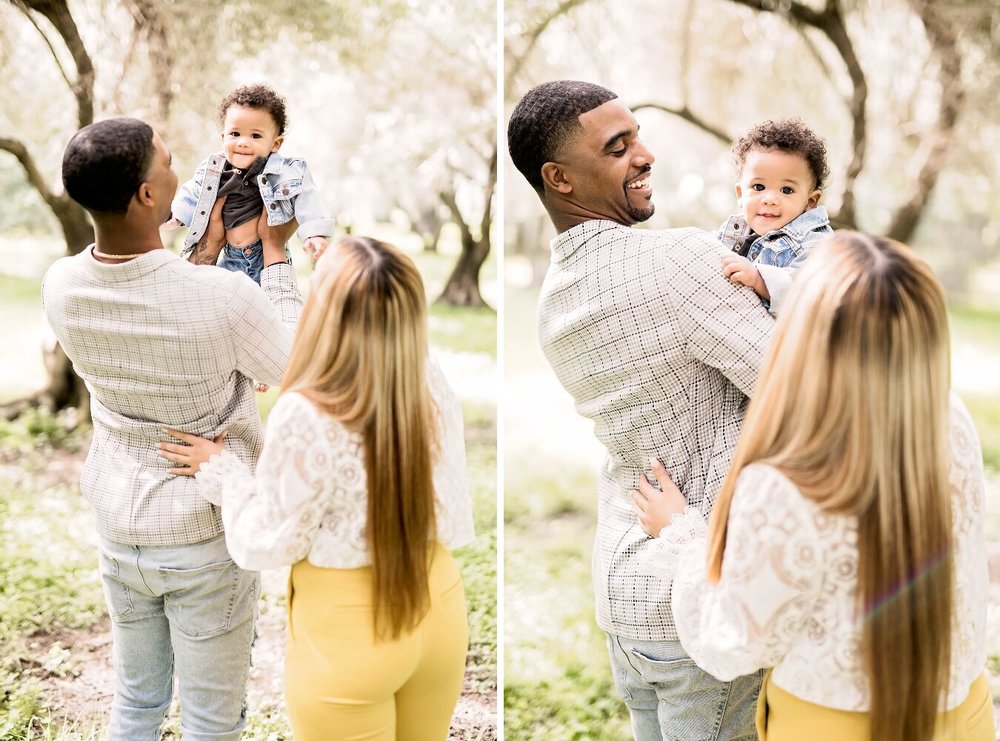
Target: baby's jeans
<point>249,259</point>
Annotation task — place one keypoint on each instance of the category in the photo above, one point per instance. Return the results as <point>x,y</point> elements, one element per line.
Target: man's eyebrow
<point>613,139</point>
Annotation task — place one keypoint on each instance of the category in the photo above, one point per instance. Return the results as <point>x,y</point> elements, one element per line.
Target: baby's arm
<point>740,270</point>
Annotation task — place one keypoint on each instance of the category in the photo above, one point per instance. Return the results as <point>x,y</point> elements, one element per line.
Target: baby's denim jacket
<point>285,185</point>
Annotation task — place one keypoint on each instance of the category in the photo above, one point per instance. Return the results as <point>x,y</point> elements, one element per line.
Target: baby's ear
<point>814,198</point>
<point>278,141</point>
<point>739,192</point>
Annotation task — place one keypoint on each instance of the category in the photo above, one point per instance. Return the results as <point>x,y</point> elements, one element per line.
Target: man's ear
<point>278,141</point>
<point>554,176</point>
<point>814,198</point>
<point>144,194</point>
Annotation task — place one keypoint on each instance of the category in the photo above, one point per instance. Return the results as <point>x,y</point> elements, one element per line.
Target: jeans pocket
<point>692,701</point>
<point>201,601</point>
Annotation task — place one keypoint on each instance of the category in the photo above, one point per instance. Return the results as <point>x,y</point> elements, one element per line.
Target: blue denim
<point>285,185</point>
<point>188,609</point>
<point>789,245</point>
<point>249,259</point>
<point>669,697</point>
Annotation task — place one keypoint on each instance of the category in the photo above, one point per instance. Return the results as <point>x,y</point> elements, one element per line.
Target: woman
<point>846,547</point>
<point>361,486</point>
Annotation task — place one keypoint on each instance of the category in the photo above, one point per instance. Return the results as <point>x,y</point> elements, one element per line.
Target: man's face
<point>608,167</point>
<point>248,133</point>
<point>161,178</point>
<point>775,187</point>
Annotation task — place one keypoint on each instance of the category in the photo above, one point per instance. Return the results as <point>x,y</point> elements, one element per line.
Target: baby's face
<point>774,188</point>
<point>248,133</point>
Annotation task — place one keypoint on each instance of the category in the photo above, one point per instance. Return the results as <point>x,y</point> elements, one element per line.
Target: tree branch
<point>58,14</point>
<point>52,50</point>
<point>27,162</point>
<point>685,113</point>
<point>945,51</point>
<point>519,59</point>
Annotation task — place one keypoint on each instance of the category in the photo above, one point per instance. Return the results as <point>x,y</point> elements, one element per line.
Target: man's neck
<point>119,236</point>
<point>568,215</point>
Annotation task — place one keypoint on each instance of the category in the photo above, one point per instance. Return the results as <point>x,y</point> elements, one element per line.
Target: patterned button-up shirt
<point>661,352</point>
<point>164,343</point>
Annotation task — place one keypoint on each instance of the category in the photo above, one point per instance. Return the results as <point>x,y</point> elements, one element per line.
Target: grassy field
<point>557,679</point>
<point>55,681</point>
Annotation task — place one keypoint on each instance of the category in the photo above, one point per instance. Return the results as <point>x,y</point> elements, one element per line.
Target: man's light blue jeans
<point>185,607</point>
<point>669,697</point>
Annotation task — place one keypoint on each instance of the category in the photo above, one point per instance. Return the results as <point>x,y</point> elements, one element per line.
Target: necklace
<point>109,256</point>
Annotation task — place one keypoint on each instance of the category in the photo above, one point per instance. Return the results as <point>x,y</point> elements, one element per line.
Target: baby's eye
<point>757,186</point>
<point>787,190</point>
<point>257,136</point>
<point>234,134</point>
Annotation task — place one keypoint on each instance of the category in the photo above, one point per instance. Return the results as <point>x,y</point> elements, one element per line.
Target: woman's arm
<point>271,519</point>
<point>771,573</point>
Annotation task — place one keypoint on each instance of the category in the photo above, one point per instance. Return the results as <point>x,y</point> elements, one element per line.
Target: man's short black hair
<point>786,135</point>
<point>105,162</point>
<point>545,118</point>
<point>257,96</point>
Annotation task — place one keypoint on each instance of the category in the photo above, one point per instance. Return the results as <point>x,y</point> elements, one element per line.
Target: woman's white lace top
<point>310,499</point>
<point>787,594</point>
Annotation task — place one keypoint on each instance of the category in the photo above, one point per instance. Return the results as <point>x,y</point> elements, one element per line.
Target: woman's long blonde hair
<point>360,355</point>
<point>852,406</point>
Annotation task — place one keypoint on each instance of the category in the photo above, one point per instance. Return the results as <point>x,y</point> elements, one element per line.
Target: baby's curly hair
<point>257,96</point>
<point>786,135</point>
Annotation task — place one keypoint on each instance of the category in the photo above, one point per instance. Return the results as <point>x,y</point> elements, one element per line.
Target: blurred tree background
<point>904,93</point>
<point>396,120</point>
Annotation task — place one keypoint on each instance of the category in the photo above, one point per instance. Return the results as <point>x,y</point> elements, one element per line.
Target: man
<point>164,343</point>
<point>661,352</point>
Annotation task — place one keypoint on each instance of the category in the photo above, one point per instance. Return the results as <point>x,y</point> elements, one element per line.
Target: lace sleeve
<point>770,578</point>
<point>272,521</point>
<point>453,502</point>
<point>687,531</point>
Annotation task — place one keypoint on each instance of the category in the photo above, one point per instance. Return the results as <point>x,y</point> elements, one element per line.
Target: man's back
<point>660,351</point>
<point>161,342</point>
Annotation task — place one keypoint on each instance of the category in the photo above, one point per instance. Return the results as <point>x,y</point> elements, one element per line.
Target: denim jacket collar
<point>801,225</point>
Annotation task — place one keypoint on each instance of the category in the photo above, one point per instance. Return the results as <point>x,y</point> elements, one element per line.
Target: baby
<point>782,168</point>
<point>254,179</point>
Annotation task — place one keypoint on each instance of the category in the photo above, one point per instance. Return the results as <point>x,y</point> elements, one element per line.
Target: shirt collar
<point>565,244</point>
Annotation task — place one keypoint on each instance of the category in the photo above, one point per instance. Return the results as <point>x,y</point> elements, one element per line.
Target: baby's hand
<point>315,247</point>
<point>740,270</point>
<point>260,388</point>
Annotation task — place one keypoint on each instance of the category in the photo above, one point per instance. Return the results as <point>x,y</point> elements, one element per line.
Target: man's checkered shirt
<point>164,343</point>
<point>661,352</point>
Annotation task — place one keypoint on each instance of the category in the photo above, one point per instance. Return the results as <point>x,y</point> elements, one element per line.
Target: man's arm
<point>725,324</point>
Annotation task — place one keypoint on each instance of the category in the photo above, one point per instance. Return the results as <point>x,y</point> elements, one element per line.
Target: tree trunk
<point>462,288</point>
<point>64,389</point>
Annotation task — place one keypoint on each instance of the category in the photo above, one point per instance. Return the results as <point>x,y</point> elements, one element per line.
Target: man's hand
<point>740,270</point>
<point>273,239</point>
<point>190,456</point>
<point>207,249</point>
<point>315,247</point>
<point>653,506</point>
